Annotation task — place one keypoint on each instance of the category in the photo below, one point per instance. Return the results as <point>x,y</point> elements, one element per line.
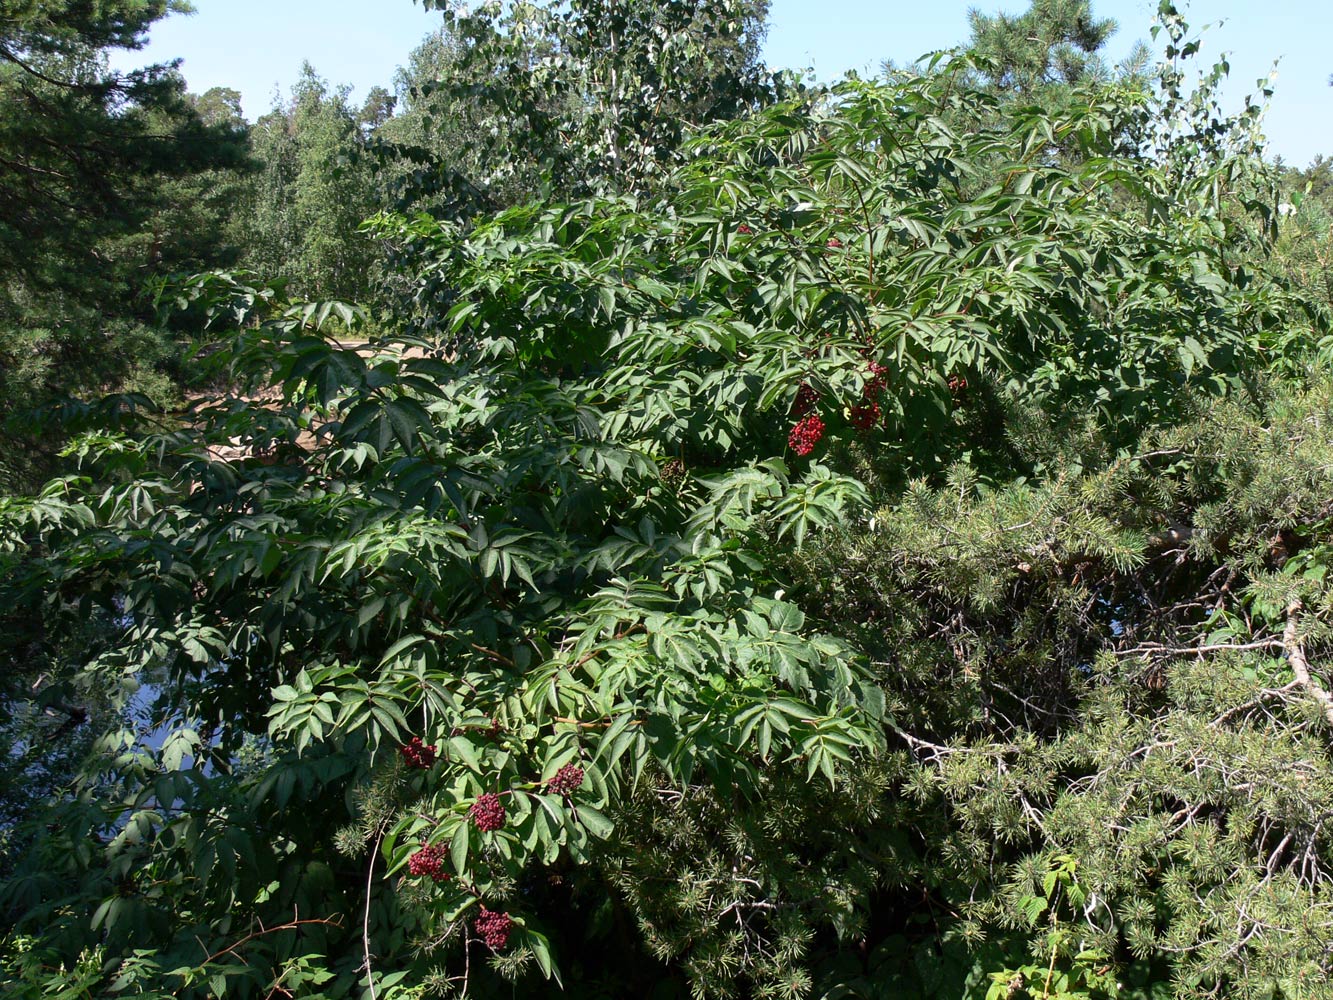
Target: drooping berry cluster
<point>865,415</point>
<point>429,861</point>
<point>806,398</point>
<point>957,385</point>
<point>875,380</point>
<point>417,754</point>
<point>834,243</point>
<point>488,812</point>
<point>806,434</point>
<point>744,229</point>
<point>567,780</point>
<point>494,928</point>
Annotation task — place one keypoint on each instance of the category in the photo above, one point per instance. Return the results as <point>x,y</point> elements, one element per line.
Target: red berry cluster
<point>806,434</point>
<point>418,755</point>
<point>957,385</point>
<point>744,229</point>
<point>834,243</point>
<point>806,398</point>
<point>488,813</point>
<point>494,928</point>
<point>865,415</point>
<point>567,780</point>
<point>428,861</point>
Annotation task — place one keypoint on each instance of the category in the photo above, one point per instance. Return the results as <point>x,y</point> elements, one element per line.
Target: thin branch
<point>492,654</point>
<point>1157,649</point>
<point>739,905</point>
<point>870,239</point>
<point>9,56</point>
<point>1300,666</point>
<point>624,633</point>
<point>365,918</point>
<point>289,926</point>
<point>1255,702</point>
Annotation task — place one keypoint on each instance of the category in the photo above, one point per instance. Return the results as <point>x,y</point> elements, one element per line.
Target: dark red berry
<point>488,813</point>
<point>567,780</point>
<point>428,861</point>
<point>806,398</point>
<point>806,434</point>
<point>957,384</point>
<point>744,229</point>
<point>494,928</point>
<point>418,755</point>
<point>865,415</point>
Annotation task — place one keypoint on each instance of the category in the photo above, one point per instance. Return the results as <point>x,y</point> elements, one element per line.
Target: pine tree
<point>1053,43</point>
<point>90,161</point>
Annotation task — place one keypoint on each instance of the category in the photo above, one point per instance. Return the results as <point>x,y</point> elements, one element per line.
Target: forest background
<point>604,515</point>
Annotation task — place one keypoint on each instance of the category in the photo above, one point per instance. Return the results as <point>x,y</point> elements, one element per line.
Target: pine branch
<point>1300,666</point>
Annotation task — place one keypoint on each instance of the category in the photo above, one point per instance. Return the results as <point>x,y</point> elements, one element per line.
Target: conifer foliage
<point>1053,42</point>
<point>889,562</point>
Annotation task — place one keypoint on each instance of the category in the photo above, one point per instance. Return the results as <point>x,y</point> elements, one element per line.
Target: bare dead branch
<point>1300,666</point>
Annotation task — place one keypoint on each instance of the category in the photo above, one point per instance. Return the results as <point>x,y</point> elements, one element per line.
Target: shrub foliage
<point>888,562</point>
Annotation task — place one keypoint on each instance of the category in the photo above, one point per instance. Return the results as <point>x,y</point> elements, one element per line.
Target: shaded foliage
<point>93,166</point>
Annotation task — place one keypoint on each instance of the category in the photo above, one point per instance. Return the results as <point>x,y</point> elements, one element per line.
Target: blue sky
<point>257,46</point>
